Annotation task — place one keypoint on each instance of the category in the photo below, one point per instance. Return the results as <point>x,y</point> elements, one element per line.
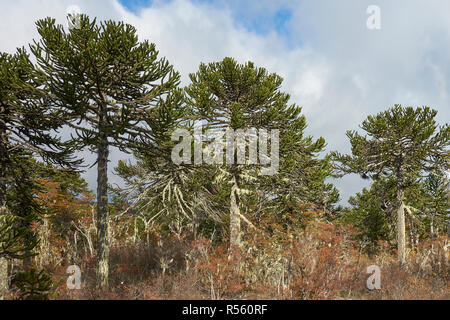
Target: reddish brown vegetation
<point>319,262</point>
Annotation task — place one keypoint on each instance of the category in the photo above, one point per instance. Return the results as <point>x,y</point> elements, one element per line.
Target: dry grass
<point>321,262</point>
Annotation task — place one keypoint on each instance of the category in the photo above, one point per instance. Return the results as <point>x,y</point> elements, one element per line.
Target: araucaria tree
<point>436,202</point>
<point>402,144</point>
<point>26,125</point>
<point>227,95</point>
<point>108,86</point>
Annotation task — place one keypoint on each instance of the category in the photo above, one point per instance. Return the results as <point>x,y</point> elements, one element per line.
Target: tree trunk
<point>102,210</point>
<point>401,229</point>
<point>75,249</point>
<point>235,219</point>
<point>135,231</point>
<point>3,261</point>
<point>195,225</point>
<point>44,246</point>
<point>90,246</point>
<point>4,283</point>
<point>433,220</point>
<point>432,230</point>
<point>412,234</point>
<point>432,227</point>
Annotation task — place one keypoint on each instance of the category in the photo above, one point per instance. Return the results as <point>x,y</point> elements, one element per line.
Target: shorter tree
<point>436,202</point>
<point>369,213</point>
<point>401,144</point>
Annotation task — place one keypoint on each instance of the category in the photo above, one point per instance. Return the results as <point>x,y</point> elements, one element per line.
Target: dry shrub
<point>425,276</point>
<point>220,272</point>
<point>325,263</point>
<point>316,265</point>
<point>319,261</point>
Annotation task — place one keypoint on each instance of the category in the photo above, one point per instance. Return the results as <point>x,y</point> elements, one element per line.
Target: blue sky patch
<point>259,21</point>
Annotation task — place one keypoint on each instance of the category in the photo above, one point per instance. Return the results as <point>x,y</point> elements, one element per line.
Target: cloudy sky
<point>337,69</point>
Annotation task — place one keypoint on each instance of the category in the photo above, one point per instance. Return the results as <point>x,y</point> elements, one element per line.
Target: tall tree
<point>401,143</point>
<point>26,126</point>
<point>228,95</point>
<point>109,86</point>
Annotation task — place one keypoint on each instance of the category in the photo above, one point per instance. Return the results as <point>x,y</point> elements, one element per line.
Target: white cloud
<point>340,73</point>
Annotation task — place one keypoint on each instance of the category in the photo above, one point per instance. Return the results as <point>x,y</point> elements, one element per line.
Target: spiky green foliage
<point>102,76</point>
<point>21,202</point>
<point>14,238</point>
<point>28,127</point>
<point>112,89</point>
<point>26,123</point>
<point>227,94</point>
<point>402,144</point>
<point>436,202</point>
<point>33,285</point>
<point>371,213</point>
<point>26,118</point>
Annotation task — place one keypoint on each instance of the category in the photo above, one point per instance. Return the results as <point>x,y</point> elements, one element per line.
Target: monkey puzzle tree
<point>26,120</point>
<point>401,143</point>
<point>436,201</point>
<point>247,99</point>
<point>370,212</point>
<point>26,125</point>
<point>109,87</point>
